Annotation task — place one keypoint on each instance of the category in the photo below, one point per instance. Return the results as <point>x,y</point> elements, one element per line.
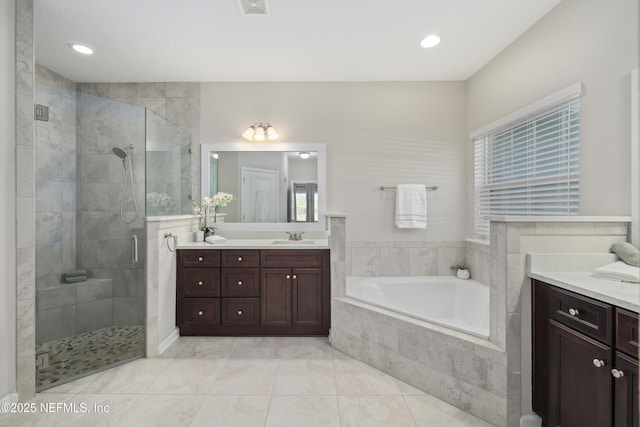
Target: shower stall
<point>99,161</point>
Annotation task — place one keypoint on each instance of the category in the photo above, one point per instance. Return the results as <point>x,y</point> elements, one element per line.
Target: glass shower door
<point>90,289</point>
<point>168,166</point>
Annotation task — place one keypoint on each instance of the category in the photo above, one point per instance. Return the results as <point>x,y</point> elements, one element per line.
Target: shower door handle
<point>134,249</point>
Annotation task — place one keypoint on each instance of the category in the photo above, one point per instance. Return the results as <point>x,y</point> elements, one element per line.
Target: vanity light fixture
<point>430,41</point>
<point>260,132</point>
<point>304,155</point>
<point>81,48</point>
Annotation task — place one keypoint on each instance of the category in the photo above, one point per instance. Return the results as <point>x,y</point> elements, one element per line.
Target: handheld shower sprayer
<point>122,154</point>
<point>126,160</point>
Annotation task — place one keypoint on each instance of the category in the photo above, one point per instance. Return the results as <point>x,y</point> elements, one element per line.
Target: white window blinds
<point>529,167</point>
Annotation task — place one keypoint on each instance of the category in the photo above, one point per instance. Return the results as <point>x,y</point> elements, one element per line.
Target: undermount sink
<point>293,242</point>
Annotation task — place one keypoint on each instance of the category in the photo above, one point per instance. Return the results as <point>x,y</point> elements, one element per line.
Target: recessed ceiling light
<point>430,41</point>
<point>81,48</point>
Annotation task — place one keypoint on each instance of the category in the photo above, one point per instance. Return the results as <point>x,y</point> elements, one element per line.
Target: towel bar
<point>428,187</point>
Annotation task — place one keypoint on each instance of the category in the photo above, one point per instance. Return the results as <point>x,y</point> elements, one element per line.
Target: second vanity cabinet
<point>253,292</point>
<point>585,360</point>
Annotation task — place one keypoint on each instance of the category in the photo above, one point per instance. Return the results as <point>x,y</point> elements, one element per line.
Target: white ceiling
<point>302,40</point>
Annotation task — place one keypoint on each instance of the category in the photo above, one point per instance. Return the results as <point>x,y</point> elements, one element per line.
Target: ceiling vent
<point>254,7</point>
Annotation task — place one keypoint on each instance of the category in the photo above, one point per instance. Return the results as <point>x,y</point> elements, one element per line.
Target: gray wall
<point>8,196</point>
<point>382,133</point>
<point>590,41</point>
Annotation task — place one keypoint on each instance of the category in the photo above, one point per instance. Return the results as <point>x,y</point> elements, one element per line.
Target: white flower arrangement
<point>220,199</point>
<point>161,200</point>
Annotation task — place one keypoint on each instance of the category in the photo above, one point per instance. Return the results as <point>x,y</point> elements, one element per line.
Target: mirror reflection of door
<point>304,202</point>
<point>259,195</point>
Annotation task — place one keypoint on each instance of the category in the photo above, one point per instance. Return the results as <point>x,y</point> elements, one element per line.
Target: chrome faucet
<point>295,236</point>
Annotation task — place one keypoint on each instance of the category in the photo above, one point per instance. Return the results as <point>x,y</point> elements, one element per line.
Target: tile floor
<point>241,382</point>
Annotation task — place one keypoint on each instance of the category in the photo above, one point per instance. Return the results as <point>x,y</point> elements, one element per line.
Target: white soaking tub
<point>447,301</point>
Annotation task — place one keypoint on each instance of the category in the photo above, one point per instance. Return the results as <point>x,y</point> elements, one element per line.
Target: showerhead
<point>120,153</point>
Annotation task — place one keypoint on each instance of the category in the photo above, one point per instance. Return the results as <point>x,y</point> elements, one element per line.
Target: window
<point>304,202</point>
<point>529,166</point>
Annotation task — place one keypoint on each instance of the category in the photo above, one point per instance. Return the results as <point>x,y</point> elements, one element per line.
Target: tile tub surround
<point>416,258</point>
<point>465,371</point>
<point>247,382</point>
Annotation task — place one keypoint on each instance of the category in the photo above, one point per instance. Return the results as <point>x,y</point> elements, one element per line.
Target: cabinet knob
<point>288,276</point>
<point>598,363</point>
<point>240,283</point>
<point>295,276</point>
<point>200,283</point>
<point>617,374</point>
<point>200,313</point>
<point>574,311</point>
<point>239,312</point>
<point>200,258</point>
<point>240,259</point>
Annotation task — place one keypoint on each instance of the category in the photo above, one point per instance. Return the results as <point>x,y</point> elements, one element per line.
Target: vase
<point>198,236</point>
<point>462,274</point>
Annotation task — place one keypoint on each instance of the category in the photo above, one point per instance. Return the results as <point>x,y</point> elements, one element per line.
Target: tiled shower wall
<point>104,240</point>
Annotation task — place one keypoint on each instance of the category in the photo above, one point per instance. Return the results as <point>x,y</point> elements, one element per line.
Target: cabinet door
<point>275,297</point>
<point>306,307</point>
<point>580,393</point>
<point>625,385</point>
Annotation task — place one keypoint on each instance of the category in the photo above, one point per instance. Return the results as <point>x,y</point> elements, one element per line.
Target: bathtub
<point>447,301</point>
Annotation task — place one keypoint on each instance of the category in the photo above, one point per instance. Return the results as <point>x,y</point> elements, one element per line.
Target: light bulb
<point>248,134</point>
<point>271,133</point>
<point>304,155</point>
<point>81,48</point>
<point>259,136</point>
<point>430,41</point>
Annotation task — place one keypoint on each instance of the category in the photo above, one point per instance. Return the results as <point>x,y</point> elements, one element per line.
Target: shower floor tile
<point>73,357</point>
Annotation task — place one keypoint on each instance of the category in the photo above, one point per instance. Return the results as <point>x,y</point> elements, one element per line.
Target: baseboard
<point>166,343</point>
<point>10,398</point>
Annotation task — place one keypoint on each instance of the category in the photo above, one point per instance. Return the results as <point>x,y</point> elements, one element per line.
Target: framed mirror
<point>279,187</point>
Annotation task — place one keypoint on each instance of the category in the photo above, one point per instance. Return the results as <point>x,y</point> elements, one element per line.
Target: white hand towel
<point>214,238</point>
<point>618,270</point>
<point>411,206</point>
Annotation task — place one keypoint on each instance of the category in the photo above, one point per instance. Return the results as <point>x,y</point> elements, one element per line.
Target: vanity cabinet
<point>253,292</point>
<point>198,291</point>
<point>292,285</point>
<point>585,364</point>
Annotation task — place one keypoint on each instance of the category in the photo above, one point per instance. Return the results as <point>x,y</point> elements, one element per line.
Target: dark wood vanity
<point>585,360</point>
<point>253,292</point>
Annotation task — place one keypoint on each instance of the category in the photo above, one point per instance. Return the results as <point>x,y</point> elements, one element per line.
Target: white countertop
<point>258,244</point>
<point>580,280</point>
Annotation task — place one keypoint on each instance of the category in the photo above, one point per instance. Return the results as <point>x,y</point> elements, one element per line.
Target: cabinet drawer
<point>200,310</point>
<point>591,317</point>
<point>241,258</point>
<point>291,258</point>
<point>199,258</point>
<point>200,282</point>
<point>240,311</point>
<point>627,332</point>
<point>240,282</point>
